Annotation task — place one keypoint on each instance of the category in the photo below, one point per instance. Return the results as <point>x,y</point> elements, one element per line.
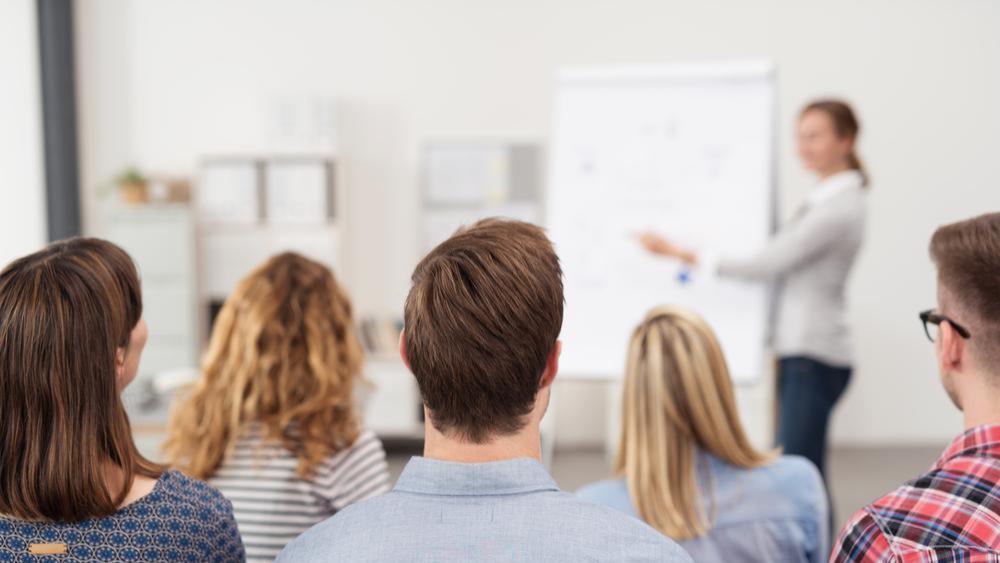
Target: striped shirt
<point>273,505</point>
<point>950,514</point>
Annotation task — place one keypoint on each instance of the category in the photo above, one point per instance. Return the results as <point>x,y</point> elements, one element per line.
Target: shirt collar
<point>835,185</point>
<point>434,477</point>
<point>978,441</point>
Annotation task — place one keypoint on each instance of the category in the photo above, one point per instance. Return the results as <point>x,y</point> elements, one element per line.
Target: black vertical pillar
<point>57,71</point>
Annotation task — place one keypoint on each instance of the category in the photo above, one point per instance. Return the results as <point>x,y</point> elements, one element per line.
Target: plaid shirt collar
<point>949,514</point>
<point>978,441</point>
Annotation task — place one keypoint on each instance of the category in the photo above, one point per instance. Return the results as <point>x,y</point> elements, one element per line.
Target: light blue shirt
<point>501,511</point>
<point>772,513</point>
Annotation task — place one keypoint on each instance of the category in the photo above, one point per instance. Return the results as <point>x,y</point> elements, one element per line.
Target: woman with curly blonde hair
<point>272,422</point>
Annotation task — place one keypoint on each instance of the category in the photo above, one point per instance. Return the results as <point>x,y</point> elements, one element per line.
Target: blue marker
<point>684,275</point>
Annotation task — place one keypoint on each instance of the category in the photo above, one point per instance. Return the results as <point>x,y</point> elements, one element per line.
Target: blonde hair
<point>678,398</point>
<point>284,354</point>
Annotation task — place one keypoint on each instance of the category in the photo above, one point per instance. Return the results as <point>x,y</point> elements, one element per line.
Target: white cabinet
<point>160,239</point>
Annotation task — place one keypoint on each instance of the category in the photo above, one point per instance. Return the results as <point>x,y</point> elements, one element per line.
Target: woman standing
<point>812,257</point>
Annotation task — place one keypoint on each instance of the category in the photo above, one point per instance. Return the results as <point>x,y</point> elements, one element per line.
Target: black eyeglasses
<point>929,317</point>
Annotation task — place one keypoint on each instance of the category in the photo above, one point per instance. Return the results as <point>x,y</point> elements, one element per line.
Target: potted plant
<point>132,186</point>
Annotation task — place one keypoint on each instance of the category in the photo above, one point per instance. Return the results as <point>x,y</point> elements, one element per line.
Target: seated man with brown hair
<point>482,324</point>
<point>951,513</point>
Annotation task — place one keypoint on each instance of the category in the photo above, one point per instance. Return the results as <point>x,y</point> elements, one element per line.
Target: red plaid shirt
<point>951,514</point>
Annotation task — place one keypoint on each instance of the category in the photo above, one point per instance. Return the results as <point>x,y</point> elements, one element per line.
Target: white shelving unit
<point>227,251</point>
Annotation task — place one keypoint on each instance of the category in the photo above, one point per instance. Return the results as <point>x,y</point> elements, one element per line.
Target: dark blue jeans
<point>807,392</point>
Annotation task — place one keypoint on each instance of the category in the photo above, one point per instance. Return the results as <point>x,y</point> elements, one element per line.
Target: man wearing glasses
<point>951,513</point>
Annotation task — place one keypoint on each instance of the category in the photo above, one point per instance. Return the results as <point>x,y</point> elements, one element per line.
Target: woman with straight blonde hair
<point>685,465</point>
<point>272,423</point>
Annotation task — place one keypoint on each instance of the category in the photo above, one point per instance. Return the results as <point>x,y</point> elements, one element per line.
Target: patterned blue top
<point>182,519</point>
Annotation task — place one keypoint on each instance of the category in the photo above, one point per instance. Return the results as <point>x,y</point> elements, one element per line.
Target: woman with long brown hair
<point>810,259</point>
<point>272,422</point>
<point>72,482</point>
<point>685,465</point>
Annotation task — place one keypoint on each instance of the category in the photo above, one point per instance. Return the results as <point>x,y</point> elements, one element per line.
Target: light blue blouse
<point>773,513</point>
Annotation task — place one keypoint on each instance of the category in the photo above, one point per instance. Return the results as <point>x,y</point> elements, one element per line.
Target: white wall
<point>165,82</point>
<point>22,199</point>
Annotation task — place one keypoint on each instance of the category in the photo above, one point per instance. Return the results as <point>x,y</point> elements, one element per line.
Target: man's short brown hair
<point>482,317</point>
<point>967,255</point>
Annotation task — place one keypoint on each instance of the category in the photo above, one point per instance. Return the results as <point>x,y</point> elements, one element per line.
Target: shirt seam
<point>397,489</point>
